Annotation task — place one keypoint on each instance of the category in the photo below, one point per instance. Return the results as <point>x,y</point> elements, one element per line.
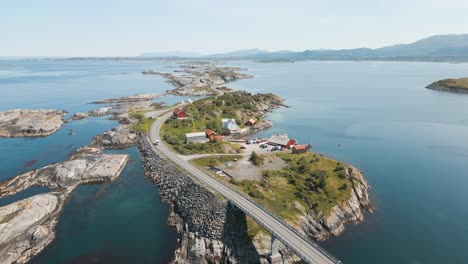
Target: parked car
<point>242,147</point>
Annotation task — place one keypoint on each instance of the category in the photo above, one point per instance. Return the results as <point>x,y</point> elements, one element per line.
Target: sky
<point>132,27</point>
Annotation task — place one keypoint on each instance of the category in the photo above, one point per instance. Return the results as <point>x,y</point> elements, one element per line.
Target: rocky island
<point>129,99</point>
<point>30,123</point>
<point>450,85</point>
<point>27,226</point>
<point>199,78</point>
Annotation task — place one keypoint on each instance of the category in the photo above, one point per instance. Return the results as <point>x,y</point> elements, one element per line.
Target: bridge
<point>302,246</point>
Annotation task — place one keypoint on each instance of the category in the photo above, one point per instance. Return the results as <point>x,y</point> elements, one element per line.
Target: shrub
<point>256,159</point>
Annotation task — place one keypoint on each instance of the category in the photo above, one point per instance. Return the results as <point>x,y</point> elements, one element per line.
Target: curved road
<point>305,248</point>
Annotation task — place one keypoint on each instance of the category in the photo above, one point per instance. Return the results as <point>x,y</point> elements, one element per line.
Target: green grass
<point>292,189</point>
<point>144,123</point>
<point>215,160</point>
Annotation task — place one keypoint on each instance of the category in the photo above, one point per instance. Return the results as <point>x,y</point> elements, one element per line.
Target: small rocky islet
<point>450,85</point>
<point>30,123</point>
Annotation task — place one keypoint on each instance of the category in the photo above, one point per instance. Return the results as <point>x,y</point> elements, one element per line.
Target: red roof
<point>178,111</point>
<point>209,132</point>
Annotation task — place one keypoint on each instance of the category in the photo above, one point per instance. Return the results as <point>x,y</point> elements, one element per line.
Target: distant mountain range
<point>435,48</point>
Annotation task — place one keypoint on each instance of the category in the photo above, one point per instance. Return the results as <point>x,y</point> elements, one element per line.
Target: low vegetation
<point>214,161</point>
<point>256,159</point>
<point>144,123</point>
<point>309,182</point>
<point>452,85</point>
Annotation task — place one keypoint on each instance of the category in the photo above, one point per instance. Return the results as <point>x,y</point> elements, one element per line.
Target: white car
<point>157,142</point>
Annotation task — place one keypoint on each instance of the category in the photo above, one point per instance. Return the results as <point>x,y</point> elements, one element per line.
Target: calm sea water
<point>410,142</point>
<point>119,222</point>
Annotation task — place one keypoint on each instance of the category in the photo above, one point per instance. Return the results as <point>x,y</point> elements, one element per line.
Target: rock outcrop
<point>120,137</point>
<point>30,123</point>
<point>27,226</point>
<point>321,228</point>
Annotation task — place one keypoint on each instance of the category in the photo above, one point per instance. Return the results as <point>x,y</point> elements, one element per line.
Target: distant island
<point>450,85</point>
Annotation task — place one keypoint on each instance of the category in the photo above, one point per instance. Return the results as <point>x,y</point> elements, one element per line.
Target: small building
<point>299,149</point>
<point>251,122</point>
<point>197,137</point>
<point>210,134</point>
<point>219,138</point>
<point>282,141</point>
<point>229,124</point>
<point>179,114</point>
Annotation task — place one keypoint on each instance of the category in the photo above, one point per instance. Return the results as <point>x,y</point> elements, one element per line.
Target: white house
<point>230,124</point>
<point>197,137</point>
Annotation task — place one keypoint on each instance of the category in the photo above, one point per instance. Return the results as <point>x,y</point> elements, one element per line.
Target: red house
<point>210,134</point>
<point>179,114</point>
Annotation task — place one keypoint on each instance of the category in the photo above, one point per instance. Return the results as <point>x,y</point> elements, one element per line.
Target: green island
<point>208,113</point>
<point>450,85</point>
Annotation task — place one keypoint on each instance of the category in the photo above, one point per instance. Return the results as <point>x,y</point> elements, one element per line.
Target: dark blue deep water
<point>410,142</point>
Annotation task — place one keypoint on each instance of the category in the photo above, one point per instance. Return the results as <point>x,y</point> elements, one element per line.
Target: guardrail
<point>178,160</point>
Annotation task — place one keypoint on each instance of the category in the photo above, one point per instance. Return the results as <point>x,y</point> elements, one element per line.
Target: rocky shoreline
<point>30,123</point>
<point>351,212</point>
<point>27,226</point>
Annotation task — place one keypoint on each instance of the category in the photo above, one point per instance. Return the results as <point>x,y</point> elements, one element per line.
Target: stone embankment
<point>211,230</point>
<point>30,123</point>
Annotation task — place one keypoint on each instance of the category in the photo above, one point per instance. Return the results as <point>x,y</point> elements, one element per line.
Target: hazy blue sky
<point>126,28</point>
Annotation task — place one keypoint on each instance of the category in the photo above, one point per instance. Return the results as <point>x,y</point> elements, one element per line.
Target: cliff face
<point>210,229</point>
<point>350,212</point>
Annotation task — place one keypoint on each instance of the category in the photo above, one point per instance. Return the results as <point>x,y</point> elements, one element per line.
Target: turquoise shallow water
<point>410,142</point>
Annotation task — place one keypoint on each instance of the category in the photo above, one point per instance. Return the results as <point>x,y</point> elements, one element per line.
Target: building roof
<point>279,139</point>
<point>229,124</point>
<point>252,120</point>
<point>209,132</point>
<point>195,134</point>
<point>300,147</point>
<point>178,111</point>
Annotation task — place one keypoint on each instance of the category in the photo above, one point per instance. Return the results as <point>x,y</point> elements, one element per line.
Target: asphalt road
<point>305,248</point>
